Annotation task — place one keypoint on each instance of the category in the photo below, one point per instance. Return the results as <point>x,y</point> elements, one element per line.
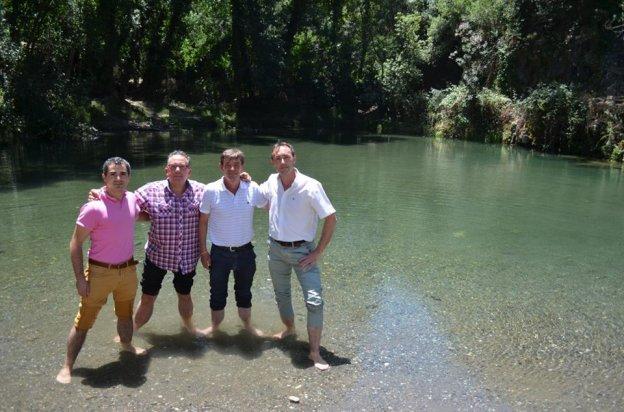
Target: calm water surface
<point>461,275</point>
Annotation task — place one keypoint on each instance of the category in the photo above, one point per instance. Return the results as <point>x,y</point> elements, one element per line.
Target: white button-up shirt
<point>294,213</point>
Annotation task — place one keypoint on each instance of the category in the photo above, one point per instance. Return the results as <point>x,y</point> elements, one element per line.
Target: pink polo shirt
<point>111,223</point>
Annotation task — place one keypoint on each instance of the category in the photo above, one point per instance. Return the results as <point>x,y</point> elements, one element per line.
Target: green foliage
<point>40,82</point>
<point>606,126</point>
<point>461,113</point>
<point>450,112</point>
<point>491,70</point>
<point>401,75</point>
<point>9,52</point>
<point>208,24</point>
<point>554,119</point>
<point>495,115</point>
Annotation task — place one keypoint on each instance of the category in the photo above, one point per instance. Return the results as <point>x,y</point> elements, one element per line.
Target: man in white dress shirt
<point>297,202</point>
<point>227,211</point>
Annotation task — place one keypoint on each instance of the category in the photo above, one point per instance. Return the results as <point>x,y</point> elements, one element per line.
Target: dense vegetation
<point>541,73</point>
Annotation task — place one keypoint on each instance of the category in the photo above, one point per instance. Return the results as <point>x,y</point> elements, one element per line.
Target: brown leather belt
<point>130,262</point>
<point>296,243</point>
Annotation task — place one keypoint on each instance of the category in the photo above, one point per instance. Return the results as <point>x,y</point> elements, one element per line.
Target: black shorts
<point>153,276</point>
<point>243,263</point>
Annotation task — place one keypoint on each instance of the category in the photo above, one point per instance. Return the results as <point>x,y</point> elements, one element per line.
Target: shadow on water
<point>128,371</point>
<point>298,352</point>
<point>35,164</point>
<point>242,344</point>
<point>181,344</point>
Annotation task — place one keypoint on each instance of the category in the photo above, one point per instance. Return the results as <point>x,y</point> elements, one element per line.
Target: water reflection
<point>515,256</point>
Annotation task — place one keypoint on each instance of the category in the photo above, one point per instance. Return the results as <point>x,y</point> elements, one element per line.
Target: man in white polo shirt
<point>227,214</point>
<point>297,202</point>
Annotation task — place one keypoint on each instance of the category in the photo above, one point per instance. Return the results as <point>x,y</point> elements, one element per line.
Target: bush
<point>553,119</point>
<point>606,126</point>
<point>460,113</point>
<point>449,112</point>
<point>496,115</point>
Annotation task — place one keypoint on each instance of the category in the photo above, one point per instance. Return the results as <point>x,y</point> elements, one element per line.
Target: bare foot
<point>117,339</point>
<point>190,328</point>
<point>254,331</point>
<point>64,375</point>
<point>209,331</point>
<point>319,362</point>
<point>128,347</point>
<point>285,333</point>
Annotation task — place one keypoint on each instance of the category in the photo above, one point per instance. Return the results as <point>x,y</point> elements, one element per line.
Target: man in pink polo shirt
<point>109,223</point>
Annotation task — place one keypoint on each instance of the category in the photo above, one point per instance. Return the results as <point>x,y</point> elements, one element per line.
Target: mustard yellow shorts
<point>122,283</point>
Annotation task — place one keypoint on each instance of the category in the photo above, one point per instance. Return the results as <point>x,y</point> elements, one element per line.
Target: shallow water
<point>461,275</point>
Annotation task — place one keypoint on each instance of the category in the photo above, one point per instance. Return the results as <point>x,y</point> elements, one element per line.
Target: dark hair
<point>282,143</point>
<point>115,161</point>
<point>233,154</point>
<point>180,153</point>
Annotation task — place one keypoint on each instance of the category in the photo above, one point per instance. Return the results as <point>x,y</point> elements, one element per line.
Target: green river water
<point>460,276</point>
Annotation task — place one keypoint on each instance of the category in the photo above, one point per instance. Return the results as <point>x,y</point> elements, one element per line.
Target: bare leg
<point>124,329</point>
<point>217,317</point>
<point>314,337</point>
<point>185,307</point>
<point>290,328</point>
<point>144,311</point>
<point>75,340</point>
<point>245,315</point>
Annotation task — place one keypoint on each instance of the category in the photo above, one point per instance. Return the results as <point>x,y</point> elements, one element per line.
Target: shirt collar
<point>187,189</point>
<point>104,195</point>
<point>243,184</point>
<point>295,182</point>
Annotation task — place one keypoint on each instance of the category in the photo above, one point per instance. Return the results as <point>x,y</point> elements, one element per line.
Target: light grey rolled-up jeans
<point>282,260</point>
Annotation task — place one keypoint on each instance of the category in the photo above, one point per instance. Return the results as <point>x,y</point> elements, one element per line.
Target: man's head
<point>283,157</point>
<point>231,164</point>
<point>178,167</point>
<point>116,176</point>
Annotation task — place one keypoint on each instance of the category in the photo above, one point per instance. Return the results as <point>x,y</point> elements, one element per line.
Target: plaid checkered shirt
<point>172,242</point>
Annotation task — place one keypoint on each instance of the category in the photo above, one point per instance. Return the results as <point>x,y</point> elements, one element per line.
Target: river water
<point>460,276</point>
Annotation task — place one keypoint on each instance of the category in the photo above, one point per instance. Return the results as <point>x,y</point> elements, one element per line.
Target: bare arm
<point>75,251</point>
<point>329,225</point>
<point>203,232</point>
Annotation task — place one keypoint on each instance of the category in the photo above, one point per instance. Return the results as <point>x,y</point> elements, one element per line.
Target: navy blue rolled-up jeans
<point>241,261</point>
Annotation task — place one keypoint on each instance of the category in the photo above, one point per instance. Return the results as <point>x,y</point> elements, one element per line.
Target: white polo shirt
<point>294,213</point>
<point>231,215</point>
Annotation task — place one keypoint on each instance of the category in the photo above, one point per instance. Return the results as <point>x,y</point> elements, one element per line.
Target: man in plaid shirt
<point>173,207</point>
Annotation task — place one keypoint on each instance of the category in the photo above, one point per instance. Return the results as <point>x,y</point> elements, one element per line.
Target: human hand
<point>83,288</point>
<point>245,176</point>
<point>308,261</point>
<point>205,260</point>
<point>94,194</point>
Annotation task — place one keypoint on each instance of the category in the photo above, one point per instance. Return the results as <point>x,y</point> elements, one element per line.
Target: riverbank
<point>553,119</point>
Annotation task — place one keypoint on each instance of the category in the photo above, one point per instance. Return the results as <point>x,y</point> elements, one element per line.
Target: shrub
<point>606,126</point>
<point>460,113</point>
<point>495,115</point>
<point>449,112</point>
<point>553,119</point>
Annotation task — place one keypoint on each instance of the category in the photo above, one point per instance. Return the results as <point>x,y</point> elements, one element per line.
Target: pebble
<point>293,399</point>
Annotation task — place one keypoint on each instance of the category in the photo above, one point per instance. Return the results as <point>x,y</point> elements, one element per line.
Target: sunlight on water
<point>517,255</point>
